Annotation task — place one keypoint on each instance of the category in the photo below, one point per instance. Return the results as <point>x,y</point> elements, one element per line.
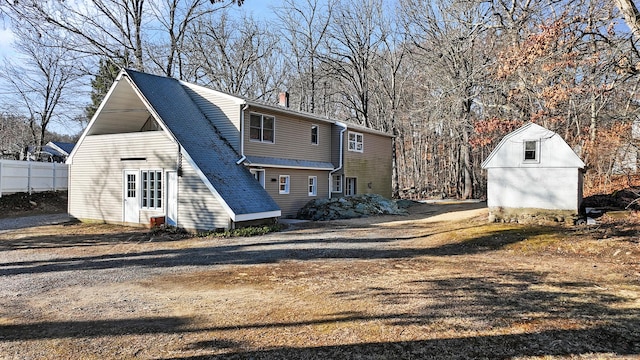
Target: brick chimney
<point>283,99</point>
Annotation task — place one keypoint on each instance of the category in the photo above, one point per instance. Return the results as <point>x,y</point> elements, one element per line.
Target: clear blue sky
<point>260,9</point>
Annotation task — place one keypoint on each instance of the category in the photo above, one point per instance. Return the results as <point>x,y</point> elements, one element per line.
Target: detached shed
<point>533,169</point>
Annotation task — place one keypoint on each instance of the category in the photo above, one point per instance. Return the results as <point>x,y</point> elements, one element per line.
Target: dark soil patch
<point>617,200</point>
<point>24,204</point>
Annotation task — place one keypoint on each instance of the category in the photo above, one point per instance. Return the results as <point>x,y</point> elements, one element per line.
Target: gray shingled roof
<point>199,138</point>
<point>66,147</point>
<point>280,162</point>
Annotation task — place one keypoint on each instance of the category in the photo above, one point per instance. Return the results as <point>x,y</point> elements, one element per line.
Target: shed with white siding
<point>533,169</point>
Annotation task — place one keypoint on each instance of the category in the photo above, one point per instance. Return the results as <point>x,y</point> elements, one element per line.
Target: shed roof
<point>554,151</point>
<point>62,147</point>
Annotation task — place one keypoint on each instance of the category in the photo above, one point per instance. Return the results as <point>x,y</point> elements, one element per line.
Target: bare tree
<point>449,41</point>
<point>304,26</point>
<point>631,15</point>
<point>111,28</point>
<point>107,28</point>
<point>355,39</point>
<point>175,17</point>
<point>15,135</point>
<point>390,76</point>
<point>227,54</point>
<point>43,83</point>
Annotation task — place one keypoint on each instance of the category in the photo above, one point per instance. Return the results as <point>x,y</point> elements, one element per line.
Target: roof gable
<point>142,95</point>
<point>211,155</point>
<point>554,152</point>
<point>62,147</point>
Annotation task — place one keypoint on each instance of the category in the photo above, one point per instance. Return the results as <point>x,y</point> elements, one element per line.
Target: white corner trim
<point>256,216</point>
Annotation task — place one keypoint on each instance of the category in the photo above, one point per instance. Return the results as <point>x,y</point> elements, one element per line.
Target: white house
<point>533,168</point>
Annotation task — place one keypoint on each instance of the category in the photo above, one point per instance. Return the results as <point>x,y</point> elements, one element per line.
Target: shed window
<point>262,128</point>
<point>531,150</point>
<point>151,189</point>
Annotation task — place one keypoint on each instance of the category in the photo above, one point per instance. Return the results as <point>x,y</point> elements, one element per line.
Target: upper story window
<point>531,150</point>
<point>262,128</point>
<point>314,134</point>
<point>356,142</point>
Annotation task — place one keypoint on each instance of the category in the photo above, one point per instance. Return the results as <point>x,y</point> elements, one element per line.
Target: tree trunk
<point>631,15</point>
<point>465,155</point>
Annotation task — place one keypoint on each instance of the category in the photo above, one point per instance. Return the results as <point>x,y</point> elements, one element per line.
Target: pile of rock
<point>349,207</point>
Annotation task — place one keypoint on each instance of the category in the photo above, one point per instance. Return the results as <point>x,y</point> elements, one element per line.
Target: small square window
<point>531,150</point>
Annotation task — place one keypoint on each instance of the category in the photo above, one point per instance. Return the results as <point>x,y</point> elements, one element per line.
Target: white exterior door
<point>172,198</point>
<point>131,200</point>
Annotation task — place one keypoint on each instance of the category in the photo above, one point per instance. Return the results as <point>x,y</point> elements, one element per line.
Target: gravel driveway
<point>440,283</point>
<point>31,221</point>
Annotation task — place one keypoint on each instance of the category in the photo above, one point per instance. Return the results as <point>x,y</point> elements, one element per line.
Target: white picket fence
<point>32,176</point>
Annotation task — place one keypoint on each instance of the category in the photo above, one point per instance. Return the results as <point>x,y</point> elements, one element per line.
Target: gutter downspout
<point>344,128</point>
<point>243,157</point>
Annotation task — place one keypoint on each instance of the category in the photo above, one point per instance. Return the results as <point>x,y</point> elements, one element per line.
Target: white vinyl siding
<point>96,184</point>
<point>551,188</point>
<point>198,208</point>
<point>222,109</point>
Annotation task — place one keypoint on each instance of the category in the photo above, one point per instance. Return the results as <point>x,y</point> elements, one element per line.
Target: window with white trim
<point>151,189</point>
<point>356,142</point>
<point>336,184</point>
<point>531,150</point>
<point>262,128</point>
<point>314,134</point>
<point>313,185</point>
<point>283,184</point>
<point>131,186</point>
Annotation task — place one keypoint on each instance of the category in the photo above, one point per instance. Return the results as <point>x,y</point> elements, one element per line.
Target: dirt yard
<point>441,283</point>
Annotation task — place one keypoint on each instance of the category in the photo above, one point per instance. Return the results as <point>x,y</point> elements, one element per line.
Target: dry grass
<point>427,286</point>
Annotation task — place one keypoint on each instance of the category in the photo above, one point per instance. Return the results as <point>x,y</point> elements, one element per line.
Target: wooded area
<point>448,79</point>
